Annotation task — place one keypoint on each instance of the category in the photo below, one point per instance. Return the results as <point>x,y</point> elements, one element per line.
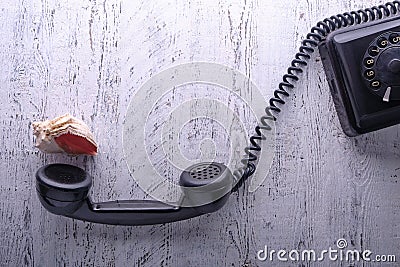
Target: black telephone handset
<point>362,66</point>
<point>360,51</point>
<point>64,190</point>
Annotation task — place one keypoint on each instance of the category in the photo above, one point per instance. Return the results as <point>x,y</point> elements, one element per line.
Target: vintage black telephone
<point>360,51</point>
<point>362,65</point>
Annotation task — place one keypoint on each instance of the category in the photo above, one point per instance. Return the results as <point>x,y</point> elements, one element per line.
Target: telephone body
<point>362,65</point>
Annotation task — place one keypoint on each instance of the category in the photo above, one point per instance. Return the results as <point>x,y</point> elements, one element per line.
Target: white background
<point>88,58</point>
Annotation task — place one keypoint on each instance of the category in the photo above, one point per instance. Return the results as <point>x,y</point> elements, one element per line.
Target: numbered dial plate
<point>381,66</point>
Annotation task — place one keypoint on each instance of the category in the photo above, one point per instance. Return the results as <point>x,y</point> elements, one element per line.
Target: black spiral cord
<point>297,66</point>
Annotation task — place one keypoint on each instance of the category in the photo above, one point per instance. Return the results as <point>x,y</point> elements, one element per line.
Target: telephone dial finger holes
<point>370,74</point>
<point>373,51</point>
<point>376,84</point>
<point>394,38</point>
<point>382,42</point>
<point>381,66</point>
<point>369,62</point>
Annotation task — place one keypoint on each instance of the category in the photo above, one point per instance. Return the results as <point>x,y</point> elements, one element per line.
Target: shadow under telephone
<point>360,51</point>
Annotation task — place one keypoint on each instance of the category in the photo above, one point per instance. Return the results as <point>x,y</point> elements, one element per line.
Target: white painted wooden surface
<point>87,58</point>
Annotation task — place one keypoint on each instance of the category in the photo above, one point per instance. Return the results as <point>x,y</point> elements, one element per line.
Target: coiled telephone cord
<point>317,34</point>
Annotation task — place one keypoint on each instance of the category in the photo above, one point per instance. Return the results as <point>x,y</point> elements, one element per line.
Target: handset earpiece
<point>206,186</point>
<point>63,190</point>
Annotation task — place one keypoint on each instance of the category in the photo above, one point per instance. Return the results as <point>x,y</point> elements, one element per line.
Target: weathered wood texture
<point>89,57</point>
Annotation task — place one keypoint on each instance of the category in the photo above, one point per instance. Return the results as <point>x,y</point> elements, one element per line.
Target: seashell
<point>64,134</point>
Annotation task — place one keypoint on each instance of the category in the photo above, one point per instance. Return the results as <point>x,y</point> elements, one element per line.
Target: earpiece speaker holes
<point>204,172</point>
